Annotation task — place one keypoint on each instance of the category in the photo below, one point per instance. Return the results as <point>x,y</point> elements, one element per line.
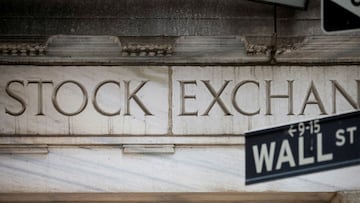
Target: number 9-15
<point>313,127</point>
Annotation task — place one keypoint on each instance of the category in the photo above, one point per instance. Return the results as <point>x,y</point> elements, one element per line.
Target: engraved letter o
<point>56,104</point>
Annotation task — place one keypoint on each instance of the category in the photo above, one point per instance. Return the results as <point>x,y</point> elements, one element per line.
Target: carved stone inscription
<point>232,100</point>
<point>84,100</point>
<point>39,100</point>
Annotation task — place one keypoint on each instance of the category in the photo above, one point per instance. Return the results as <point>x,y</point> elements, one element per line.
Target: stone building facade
<point>149,100</point>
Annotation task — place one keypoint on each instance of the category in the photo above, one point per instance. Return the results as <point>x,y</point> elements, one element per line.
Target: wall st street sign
<point>303,147</point>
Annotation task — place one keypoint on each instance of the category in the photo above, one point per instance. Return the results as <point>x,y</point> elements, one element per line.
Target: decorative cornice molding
<point>147,49</point>
<point>262,45</point>
<point>125,49</point>
<point>147,46</point>
<point>22,48</point>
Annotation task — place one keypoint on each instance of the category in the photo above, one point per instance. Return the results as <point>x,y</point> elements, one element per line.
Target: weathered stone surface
<point>156,18</point>
<point>189,169</point>
<point>134,18</point>
<point>350,196</point>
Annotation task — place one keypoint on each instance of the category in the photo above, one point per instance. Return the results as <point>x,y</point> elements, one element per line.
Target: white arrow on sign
<point>351,5</point>
<point>291,131</point>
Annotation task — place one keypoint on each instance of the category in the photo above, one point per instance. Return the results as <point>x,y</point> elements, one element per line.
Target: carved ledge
<point>23,149</point>
<point>149,149</point>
